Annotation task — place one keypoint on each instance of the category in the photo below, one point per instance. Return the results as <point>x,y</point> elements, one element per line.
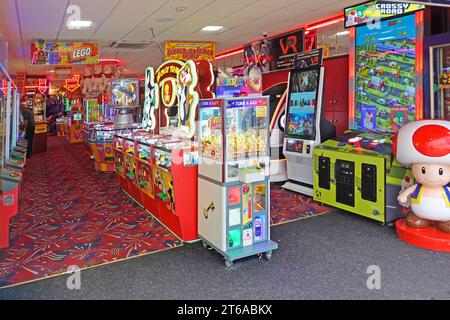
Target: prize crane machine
<point>305,127</point>
<point>9,178</point>
<point>124,98</point>
<point>356,171</point>
<point>233,177</point>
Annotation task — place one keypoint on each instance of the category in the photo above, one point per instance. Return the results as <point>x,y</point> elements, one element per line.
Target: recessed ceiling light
<point>80,23</point>
<point>212,28</point>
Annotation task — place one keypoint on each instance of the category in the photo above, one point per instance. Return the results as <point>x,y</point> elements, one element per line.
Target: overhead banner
<point>274,53</point>
<point>45,52</point>
<point>189,50</point>
<point>230,82</point>
<point>372,11</point>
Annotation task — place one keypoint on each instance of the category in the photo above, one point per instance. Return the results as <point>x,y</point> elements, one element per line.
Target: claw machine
<point>233,177</point>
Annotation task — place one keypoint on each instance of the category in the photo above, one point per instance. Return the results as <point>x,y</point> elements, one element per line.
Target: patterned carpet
<point>72,215</point>
<point>287,206</point>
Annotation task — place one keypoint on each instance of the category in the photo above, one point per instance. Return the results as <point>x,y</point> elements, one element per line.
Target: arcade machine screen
<point>385,78</point>
<point>302,106</point>
<point>77,116</point>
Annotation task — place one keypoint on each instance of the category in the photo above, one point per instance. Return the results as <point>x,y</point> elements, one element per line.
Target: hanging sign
<point>151,102</point>
<point>189,50</point>
<point>274,53</point>
<point>73,83</point>
<point>45,52</point>
<point>308,59</point>
<point>372,11</point>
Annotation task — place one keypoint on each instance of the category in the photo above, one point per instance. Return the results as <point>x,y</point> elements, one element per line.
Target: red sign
<point>73,83</point>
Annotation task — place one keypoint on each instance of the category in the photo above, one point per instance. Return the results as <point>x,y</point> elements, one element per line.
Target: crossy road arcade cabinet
<point>305,127</point>
<point>356,171</point>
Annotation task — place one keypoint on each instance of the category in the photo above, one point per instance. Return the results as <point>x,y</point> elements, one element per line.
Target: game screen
<point>77,117</point>
<point>302,103</point>
<point>385,75</point>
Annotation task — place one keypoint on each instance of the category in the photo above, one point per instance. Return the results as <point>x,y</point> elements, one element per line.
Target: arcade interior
<point>289,149</point>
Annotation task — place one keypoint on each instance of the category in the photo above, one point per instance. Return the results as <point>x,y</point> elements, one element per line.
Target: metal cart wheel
<point>228,263</point>
<point>268,255</point>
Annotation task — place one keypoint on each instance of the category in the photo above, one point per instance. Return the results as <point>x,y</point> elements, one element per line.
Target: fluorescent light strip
<point>212,28</point>
<point>80,23</point>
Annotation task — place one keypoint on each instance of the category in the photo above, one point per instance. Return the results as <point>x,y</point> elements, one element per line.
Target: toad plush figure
<point>425,146</point>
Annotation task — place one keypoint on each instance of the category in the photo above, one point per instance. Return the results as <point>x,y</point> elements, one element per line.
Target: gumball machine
<point>425,147</point>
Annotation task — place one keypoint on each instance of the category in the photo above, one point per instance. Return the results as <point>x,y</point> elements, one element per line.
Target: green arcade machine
<point>356,171</point>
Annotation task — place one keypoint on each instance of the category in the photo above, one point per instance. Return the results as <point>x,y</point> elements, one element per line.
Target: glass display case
<point>233,180</point>
<point>233,133</point>
<point>101,142</point>
<point>10,178</point>
<point>160,173</point>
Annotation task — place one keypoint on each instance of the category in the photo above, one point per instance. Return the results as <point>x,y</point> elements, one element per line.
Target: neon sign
<point>151,102</point>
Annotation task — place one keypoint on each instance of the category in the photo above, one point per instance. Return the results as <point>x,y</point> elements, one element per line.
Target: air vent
<point>119,44</point>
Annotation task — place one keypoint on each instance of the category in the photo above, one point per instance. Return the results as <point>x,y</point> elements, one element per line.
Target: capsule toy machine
<point>233,179</point>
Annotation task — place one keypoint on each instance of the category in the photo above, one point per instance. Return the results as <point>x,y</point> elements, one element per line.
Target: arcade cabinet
<point>233,177</point>
<point>305,127</point>
<point>356,171</point>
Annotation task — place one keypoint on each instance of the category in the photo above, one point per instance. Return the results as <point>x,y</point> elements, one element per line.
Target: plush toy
<point>108,73</point>
<point>86,80</point>
<point>425,145</point>
<point>97,78</point>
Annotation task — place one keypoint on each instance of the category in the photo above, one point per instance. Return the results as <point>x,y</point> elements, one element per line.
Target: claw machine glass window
<point>440,74</point>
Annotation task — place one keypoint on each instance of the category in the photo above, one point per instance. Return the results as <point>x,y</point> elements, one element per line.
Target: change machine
<point>302,131</point>
<point>233,177</point>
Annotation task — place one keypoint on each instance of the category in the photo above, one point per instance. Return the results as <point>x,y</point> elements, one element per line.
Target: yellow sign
<point>189,50</point>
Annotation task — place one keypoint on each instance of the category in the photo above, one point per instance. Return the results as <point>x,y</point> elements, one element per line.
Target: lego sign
<point>45,52</point>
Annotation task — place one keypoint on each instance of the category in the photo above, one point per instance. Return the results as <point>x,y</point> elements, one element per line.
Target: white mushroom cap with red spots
<point>424,141</point>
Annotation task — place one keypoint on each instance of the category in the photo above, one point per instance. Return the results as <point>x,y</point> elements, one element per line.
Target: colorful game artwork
<point>385,76</point>
<point>368,118</point>
<point>302,103</point>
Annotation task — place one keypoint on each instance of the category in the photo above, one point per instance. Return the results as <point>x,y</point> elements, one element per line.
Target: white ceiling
<point>133,20</point>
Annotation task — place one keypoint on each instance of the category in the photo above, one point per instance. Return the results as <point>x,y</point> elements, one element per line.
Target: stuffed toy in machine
<point>425,146</point>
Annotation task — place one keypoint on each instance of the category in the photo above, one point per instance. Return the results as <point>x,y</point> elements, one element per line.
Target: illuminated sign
<point>151,102</point>
<point>369,12</point>
<point>187,80</point>
<point>189,50</point>
<point>73,83</point>
<point>45,52</point>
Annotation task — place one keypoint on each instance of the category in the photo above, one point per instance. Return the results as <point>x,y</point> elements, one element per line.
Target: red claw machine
<point>233,179</point>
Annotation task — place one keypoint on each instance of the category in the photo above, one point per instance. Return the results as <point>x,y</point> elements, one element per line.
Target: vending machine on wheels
<point>233,177</point>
